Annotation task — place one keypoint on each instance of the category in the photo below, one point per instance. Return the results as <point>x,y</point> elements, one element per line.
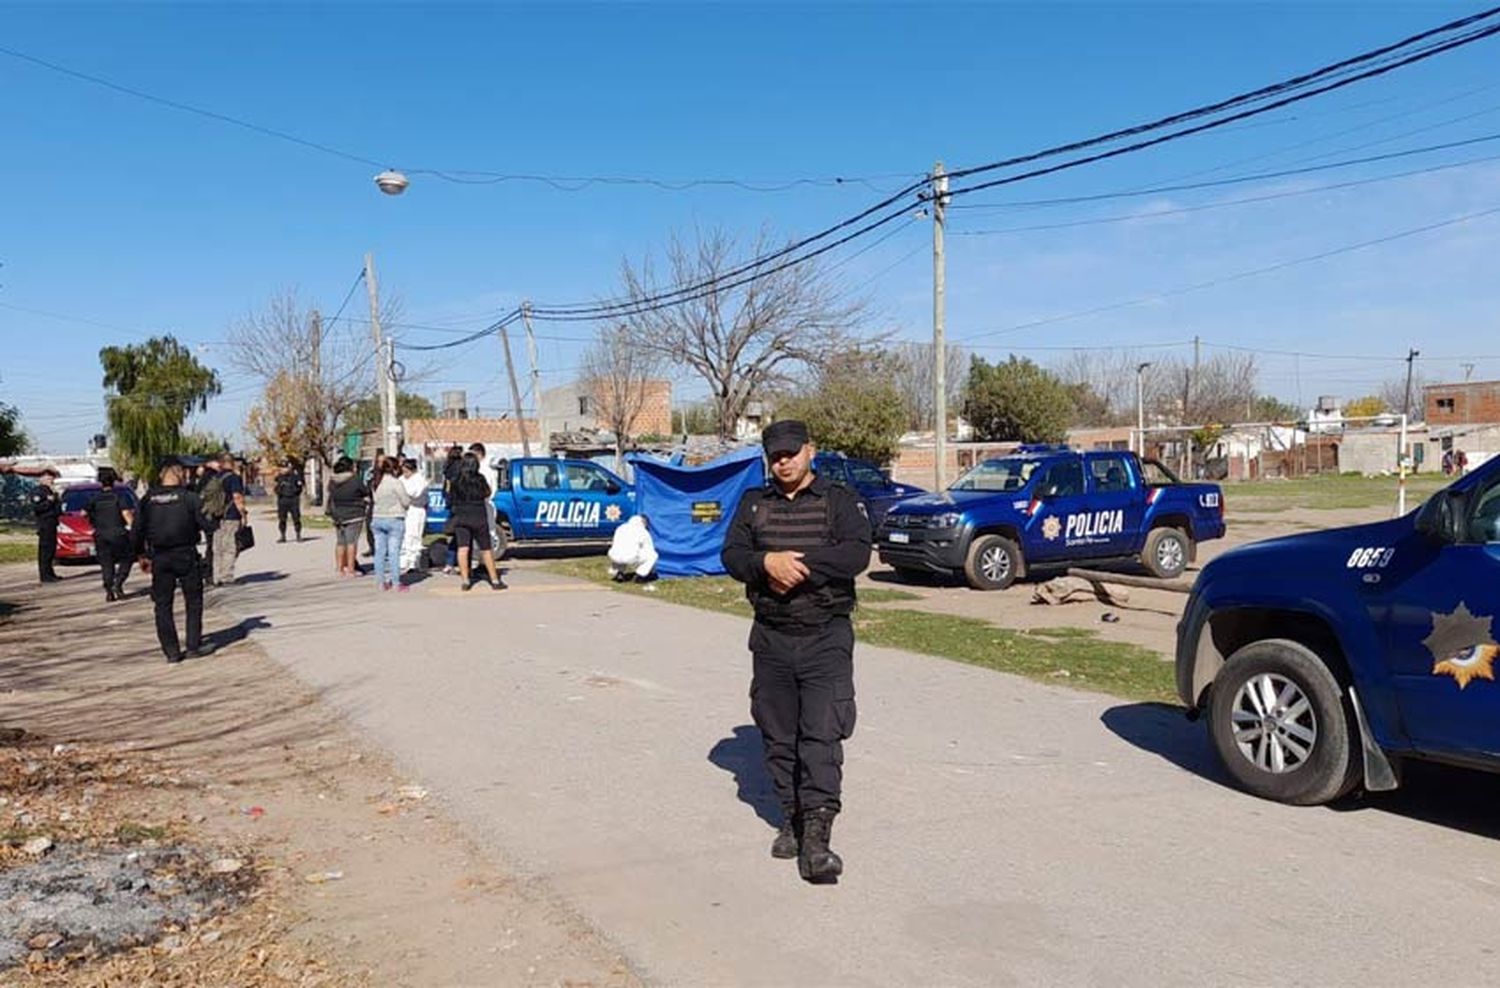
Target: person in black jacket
<point>168,527</point>
<point>289,499</point>
<point>348,499</point>
<point>46,508</point>
<point>111,513</point>
<point>468,494</point>
<point>797,544</point>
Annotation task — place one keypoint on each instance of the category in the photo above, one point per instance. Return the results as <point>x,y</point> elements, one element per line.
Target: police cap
<point>786,436</point>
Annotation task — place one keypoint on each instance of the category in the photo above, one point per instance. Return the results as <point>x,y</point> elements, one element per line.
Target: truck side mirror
<point>610,487</point>
<point>1441,518</point>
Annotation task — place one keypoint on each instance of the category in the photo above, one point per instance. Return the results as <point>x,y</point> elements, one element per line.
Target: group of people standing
<point>469,481</point>
<point>392,502</point>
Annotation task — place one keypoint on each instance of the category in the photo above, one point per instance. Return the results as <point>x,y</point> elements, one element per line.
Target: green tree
<point>1269,409</point>
<point>150,389</point>
<point>1017,400</point>
<point>855,408</point>
<point>364,414</point>
<point>1363,408</point>
<point>13,439</point>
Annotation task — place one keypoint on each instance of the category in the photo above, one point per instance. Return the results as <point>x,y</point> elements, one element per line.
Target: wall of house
<point>1462,403</point>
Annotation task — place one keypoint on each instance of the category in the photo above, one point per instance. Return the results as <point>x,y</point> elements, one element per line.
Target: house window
<point>1445,404</point>
<point>584,405</point>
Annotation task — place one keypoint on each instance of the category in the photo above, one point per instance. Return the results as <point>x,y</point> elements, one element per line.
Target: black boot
<point>816,860</point>
<point>110,595</point>
<point>786,843</point>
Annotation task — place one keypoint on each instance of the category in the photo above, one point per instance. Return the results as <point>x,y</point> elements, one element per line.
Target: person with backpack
<point>289,499</point>
<point>345,505</point>
<point>223,500</point>
<point>111,511</point>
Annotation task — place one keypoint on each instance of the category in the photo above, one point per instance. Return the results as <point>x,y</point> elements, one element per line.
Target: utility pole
<point>1192,394</point>
<point>315,330</point>
<point>1140,409</point>
<point>536,370</point>
<point>1411,356</point>
<point>1468,370</point>
<point>515,391</point>
<point>385,380</point>
<point>939,343</point>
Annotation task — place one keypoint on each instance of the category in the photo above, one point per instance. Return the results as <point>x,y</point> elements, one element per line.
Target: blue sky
<point>130,218</point>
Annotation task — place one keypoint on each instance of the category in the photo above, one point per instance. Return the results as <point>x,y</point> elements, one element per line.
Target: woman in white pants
<point>416,515</point>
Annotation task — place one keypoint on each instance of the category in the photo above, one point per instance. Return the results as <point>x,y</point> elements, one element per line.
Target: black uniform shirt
<point>46,506</point>
<point>168,518</point>
<point>289,485</point>
<point>106,512</point>
<point>826,524</point>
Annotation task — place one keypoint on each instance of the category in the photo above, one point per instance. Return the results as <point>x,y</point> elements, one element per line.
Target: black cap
<point>786,436</point>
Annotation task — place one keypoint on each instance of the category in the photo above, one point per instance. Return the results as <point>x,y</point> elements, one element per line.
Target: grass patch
<point>1327,492</point>
<point>1061,656</point>
<point>135,833</point>
<point>18,552</point>
<point>880,595</point>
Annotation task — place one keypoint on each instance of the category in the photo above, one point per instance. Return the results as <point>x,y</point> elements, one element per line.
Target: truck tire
<point>506,535</point>
<point>993,563</point>
<point>1280,724</point>
<point>1166,553</point>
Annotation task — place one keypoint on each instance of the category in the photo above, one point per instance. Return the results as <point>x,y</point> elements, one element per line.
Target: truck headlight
<point>950,520</point>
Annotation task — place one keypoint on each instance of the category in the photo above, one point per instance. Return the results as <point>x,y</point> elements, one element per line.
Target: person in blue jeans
<point>388,521</point>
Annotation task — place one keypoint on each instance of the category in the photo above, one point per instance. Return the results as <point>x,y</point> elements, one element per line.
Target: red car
<point>75,534</point>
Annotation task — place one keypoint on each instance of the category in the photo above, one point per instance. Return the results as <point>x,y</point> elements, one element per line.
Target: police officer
<point>46,507</point>
<point>797,544</point>
<point>111,515</point>
<point>289,499</point>
<point>167,530</point>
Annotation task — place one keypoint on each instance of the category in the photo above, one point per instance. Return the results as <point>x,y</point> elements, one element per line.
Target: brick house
<point>1466,403</point>
<point>427,440</point>
<point>575,407</point>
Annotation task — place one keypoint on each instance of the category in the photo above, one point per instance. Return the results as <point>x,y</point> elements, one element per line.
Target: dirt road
<point>996,831</point>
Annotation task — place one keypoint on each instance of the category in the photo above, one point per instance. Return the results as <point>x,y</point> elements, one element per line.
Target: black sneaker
<point>203,651</point>
<point>645,579</point>
<point>498,585</point>
<point>110,595</point>
<point>175,658</point>
<point>466,585</point>
<point>282,539</point>
<point>621,577</point>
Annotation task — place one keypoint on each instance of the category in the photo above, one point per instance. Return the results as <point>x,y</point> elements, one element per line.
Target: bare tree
<point>745,340</point>
<point>1393,393</point>
<point>312,371</point>
<point>1221,389</point>
<point>913,370</point>
<point>618,377</point>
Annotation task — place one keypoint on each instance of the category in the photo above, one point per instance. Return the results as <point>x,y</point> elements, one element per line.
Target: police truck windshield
<point>997,475</point>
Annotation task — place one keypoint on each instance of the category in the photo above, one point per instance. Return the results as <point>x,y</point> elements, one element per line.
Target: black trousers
<point>171,569</point>
<point>802,699</point>
<point>114,558</point>
<point>289,508</point>
<point>46,550</point>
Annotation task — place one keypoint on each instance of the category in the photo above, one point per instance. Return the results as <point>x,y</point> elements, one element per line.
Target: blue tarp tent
<point>690,507</point>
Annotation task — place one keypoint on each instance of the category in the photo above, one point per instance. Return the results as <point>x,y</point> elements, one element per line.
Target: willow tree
<point>150,390</point>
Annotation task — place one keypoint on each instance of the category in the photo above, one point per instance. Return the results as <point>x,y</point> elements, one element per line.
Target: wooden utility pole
<point>939,341</point>
<point>315,344</point>
<point>515,391</point>
<point>385,382</point>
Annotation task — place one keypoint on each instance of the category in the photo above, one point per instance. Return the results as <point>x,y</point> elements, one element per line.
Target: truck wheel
<point>1280,725</point>
<point>992,563</point>
<point>503,529</point>
<point>1166,553</point>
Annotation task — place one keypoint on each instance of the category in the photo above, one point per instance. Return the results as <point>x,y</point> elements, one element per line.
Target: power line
<point>460,176</point>
<point>1267,197</point>
<point>1253,96</point>
<point>1371,73</point>
<point>1242,179</point>
<point>1237,276</point>
<point>683,294</point>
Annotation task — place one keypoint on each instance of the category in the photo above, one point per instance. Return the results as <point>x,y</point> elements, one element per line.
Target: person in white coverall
<point>416,515</point>
<point>632,551</point>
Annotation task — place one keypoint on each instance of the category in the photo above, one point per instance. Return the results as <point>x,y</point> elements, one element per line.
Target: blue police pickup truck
<point>1051,506</point>
<point>873,485</point>
<point>1323,660</point>
<point>549,500</point>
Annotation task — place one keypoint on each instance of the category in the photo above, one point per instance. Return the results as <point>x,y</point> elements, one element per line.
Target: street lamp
<point>1140,408</point>
<point>391,182</point>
